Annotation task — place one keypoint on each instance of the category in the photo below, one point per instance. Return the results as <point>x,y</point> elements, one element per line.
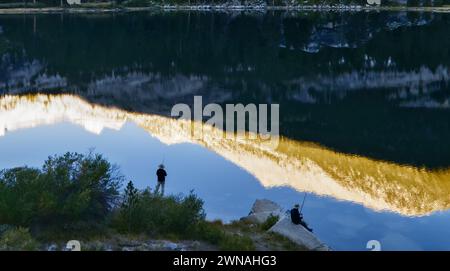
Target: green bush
<point>212,233</point>
<point>135,3</point>
<point>235,242</point>
<point>270,222</point>
<point>71,192</point>
<point>215,233</point>
<point>79,194</point>
<point>17,239</point>
<point>144,212</point>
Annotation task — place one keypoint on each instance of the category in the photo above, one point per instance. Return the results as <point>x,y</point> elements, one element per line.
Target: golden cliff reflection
<point>305,167</point>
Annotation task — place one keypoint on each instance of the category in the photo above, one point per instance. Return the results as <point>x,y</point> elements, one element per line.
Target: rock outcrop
<point>262,209</point>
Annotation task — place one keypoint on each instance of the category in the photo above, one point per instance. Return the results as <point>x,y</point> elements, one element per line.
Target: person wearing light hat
<point>297,217</point>
<point>161,173</point>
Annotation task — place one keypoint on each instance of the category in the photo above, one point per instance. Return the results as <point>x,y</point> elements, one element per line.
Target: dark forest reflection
<point>372,84</point>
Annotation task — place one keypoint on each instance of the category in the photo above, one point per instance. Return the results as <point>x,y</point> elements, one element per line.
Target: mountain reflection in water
<point>373,84</point>
<point>364,109</point>
<point>378,185</point>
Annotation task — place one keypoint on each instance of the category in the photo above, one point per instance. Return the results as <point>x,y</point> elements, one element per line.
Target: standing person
<point>161,173</point>
<point>297,217</point>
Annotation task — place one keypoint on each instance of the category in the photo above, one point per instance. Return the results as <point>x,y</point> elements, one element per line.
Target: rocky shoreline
<point>261,211</point>
<point>265,232</point>
<point>222,7</point>
<point>132,243</point>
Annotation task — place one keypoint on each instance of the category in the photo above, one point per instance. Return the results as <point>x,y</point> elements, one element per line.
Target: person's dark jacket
<point>297,219</point>
<point>161,173</point>
<point>295,216</point>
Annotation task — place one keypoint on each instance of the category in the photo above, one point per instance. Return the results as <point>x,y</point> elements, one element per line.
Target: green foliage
<point>144,212</point>
<point>439,3</point>
<point>174,216</point>
<point>270,222</point>
<point>235,242</point>
<point>212,233</point>
<point>413,3</point>
<point>135,3</point>
<point>70,192</point>
<point>75,193</point>
<point>18,239</point>
<point>129,215</point>
<point>215,233</point>
<point>131,196</point>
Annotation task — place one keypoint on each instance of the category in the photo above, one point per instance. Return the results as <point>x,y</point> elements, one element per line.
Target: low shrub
<point>176,217</point>
<point>215,233</point>
<point>77,195</point>
<point>144,212</point>
<point>270,222</point>
<point>18,239</point>
<point>235,242</point>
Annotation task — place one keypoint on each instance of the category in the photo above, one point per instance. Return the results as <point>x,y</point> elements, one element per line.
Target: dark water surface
<point>364,110</point>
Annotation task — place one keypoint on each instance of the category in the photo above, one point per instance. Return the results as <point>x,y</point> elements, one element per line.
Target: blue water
<point>227,189</point>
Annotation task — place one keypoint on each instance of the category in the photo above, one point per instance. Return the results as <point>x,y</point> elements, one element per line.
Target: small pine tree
<point>131,196</point>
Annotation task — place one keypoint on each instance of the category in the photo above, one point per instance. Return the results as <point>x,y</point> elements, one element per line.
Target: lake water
<point>364,110</point>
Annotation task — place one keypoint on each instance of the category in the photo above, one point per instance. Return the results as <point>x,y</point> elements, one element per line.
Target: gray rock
<point>171,246</point>
<point>262,209</point>
<point>52,247</point>
<point>264,205</point>
<point>157,246</point>
<point>298,234</point>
